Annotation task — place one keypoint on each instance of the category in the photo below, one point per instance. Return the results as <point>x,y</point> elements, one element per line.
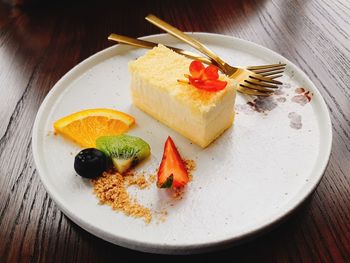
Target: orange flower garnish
<point>205,78</point>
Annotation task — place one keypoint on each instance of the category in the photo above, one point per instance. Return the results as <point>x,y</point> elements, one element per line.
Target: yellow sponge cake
<point>199,115</point>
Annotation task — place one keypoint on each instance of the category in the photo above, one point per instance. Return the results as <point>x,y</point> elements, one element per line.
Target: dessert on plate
<point>199,112</point>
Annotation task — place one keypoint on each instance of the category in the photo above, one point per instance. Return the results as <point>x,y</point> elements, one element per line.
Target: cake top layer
<point>162,68</point>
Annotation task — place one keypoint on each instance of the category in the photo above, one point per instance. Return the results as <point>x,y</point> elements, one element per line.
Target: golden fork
<point>270,70</point>
<point>254,80</point>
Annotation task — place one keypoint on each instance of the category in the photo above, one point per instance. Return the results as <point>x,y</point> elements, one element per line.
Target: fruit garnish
<point>84,127</point>
<point>124,150</point>
<point>204,78</point>
<point>172,171</point>
<point>90,163</point>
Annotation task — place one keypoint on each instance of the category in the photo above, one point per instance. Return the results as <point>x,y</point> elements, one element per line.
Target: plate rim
<point>166,248</point>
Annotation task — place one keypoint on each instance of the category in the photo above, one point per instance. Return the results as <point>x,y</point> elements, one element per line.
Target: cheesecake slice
<point>199,115</point>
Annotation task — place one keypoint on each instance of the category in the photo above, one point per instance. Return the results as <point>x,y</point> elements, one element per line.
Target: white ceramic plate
<point>255,174</point>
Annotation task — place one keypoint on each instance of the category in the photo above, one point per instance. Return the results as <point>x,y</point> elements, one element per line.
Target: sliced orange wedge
<point>84,127</point>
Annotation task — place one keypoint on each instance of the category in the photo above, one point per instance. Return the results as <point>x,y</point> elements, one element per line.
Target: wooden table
<point>41,42</point>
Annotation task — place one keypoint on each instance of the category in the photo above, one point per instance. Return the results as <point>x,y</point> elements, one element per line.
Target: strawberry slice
<point>172,171</point>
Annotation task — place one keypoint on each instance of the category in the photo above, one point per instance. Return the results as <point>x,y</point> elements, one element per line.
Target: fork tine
<point>268,70</point>
<point>265,66</point>
<point>275,76</point>
<point>271,73</point>
<point>265,79</point>
<point>252,91</point>
<point>260,83</point>
<point>255,87</point>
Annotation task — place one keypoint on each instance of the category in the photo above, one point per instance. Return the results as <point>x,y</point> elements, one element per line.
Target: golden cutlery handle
<point>132,41</point>
<point>147,44</point>
<point>189,40</point>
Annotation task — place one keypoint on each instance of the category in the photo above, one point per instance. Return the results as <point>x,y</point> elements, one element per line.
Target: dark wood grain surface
<point>39,43</point>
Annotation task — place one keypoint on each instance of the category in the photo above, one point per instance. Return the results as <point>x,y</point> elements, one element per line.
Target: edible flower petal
<point>196,69</point>
<point>211,72</point>
<point>208,85</point>
<point>204,78</point>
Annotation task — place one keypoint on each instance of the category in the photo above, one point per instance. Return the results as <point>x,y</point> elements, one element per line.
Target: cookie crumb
<point>178,193</point>
<point>138,180</point>
<point>152,178</point>
<point>111,189</point>
<point>190,165</point>
<point>162,215</point>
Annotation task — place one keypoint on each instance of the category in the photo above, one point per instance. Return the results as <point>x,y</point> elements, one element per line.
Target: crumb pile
<point>111,189</point>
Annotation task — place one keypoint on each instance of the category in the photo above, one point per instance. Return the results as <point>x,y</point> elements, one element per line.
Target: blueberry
<point>90,163</point>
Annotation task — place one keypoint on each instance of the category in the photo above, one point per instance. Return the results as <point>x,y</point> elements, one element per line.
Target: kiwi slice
<point>124,150</point>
